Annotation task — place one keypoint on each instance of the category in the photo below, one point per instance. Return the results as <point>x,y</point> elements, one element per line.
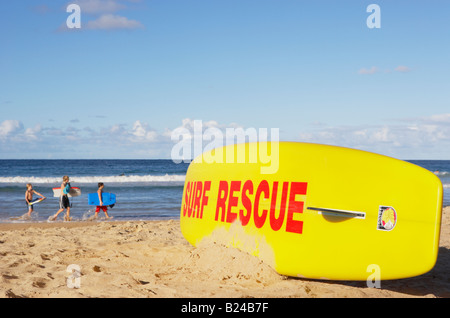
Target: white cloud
<point>141,132</point>
<point>419,137</point>
<point>411,138</point>
<point>374,70</point>
<point>99,6</point>
<point>113,22</point>
<point>370,71</point>
<point>9,128</point>
<point>121,140</point>
<point>441,118</point>
<point>103,16</point>
<point>402,69</point>
<point>116,129</point>
<point>33,133</point>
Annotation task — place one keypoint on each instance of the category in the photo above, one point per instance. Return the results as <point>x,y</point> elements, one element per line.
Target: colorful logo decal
<point>387,218</point>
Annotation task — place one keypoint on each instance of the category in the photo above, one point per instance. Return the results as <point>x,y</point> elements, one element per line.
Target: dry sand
<point>152,259</point>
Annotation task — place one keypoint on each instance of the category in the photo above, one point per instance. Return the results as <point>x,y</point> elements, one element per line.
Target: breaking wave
<point>5,181</point>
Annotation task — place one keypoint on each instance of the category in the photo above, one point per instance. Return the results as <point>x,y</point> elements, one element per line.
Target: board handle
<point>341,213</point>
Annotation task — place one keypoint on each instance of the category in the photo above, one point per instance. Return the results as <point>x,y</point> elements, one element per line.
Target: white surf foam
<point>93,179</point>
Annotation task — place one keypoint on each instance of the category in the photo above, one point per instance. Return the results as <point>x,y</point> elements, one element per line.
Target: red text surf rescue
<point>280,213</point>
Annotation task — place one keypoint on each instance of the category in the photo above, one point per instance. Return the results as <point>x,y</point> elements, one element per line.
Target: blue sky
<point>139,69</point>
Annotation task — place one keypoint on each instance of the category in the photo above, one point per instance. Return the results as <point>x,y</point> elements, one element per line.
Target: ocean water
<point>442,169</point>
<point>145,189</point>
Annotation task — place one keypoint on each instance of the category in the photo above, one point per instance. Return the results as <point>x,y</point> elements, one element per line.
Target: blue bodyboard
<point>107,198</point>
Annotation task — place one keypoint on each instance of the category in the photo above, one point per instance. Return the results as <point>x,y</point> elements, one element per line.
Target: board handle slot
<point>340,213</point>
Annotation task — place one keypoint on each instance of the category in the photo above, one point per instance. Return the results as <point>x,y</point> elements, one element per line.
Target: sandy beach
<point>152,259</point>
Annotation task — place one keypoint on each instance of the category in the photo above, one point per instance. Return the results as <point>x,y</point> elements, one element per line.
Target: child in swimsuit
<point>101,206</point>
<point>29,197</point>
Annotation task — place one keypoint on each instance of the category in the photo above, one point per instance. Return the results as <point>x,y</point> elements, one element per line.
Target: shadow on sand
<point>435,282</point>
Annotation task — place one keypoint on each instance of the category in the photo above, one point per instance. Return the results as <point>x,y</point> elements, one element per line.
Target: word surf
<point>276,203</point>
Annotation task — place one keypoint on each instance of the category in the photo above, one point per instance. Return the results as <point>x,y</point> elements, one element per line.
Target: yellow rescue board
<point>316,211</point>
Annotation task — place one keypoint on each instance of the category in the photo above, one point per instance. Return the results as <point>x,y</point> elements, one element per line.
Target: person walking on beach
<point>64,202</point>
<point>104,208</point>
<point>29,197</point>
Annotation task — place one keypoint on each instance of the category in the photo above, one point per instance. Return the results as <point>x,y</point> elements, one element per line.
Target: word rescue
<point>276,203</point>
